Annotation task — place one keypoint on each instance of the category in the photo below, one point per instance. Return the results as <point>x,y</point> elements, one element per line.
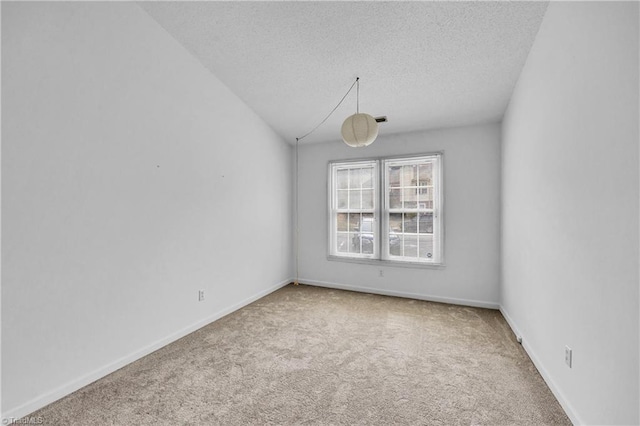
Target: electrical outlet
<point>381,273</point>
<point>568,355</point>
<point>200,295</point>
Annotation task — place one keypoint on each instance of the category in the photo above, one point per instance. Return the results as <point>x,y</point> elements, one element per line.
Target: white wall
<point>570,208</point>
<point>131,178</point>
<point>471,218</point>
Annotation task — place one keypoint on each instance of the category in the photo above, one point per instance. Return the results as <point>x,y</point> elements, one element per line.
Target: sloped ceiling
<point>423,64</point>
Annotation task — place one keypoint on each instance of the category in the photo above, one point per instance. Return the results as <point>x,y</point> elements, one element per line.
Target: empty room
<point>328,213</point>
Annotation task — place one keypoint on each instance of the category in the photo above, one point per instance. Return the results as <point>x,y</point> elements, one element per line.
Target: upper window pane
<point>342,179</point>
<point>395,198</point>
<point>354,199</point>
<point>425,197</point>
<point>355,179</point>
<point>343,198</point>
<point>410,198</point>
<point>394,180</point>
<point>425,174</point>
<point>368,198</point>
<point>409,175</point>
<point>367,178</point>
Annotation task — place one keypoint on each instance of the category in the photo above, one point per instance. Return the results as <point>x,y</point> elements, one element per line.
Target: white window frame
<point>435,160</point>
<point>334,209</point>
<point>381,212</point>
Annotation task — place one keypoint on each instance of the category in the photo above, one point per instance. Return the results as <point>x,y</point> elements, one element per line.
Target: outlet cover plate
<point>568,356</point>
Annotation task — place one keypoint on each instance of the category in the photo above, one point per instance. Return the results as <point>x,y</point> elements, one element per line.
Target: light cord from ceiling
<point>297,242</point>
<point>332,111</point>
<point>358,95</point>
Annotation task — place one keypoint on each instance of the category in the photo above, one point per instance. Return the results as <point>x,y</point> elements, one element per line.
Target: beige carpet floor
<point>307,355</point>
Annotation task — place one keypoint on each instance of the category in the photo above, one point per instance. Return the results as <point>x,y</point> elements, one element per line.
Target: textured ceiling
<point>423,64</point>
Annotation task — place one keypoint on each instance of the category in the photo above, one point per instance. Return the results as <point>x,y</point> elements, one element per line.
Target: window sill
<point>387,263</point>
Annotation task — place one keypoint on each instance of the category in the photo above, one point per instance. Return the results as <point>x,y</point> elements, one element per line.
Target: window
<point>387,209</point>
<point>354,209</point>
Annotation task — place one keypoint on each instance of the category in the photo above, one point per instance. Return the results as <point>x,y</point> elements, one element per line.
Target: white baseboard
<point>72,386</point>
<point>566,406</point>
<point>450,300</point>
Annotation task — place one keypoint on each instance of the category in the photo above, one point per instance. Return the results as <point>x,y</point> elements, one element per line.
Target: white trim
<point>387,263</point>
<point>564,403</point>
<point>72,386</point>
<point>430,298</point>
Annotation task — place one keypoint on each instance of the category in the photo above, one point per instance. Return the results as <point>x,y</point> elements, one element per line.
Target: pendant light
<point>359,129</point>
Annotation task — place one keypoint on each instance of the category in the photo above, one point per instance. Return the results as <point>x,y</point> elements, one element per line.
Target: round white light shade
<point>359,130</point>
